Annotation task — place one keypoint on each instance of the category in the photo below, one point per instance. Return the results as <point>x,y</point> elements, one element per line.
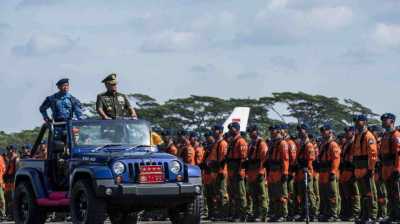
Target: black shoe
<point>277,219</point>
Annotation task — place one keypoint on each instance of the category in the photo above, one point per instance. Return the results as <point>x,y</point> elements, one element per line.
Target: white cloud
<point>171,41</point>
<point>277,4</point>
<point>45,44</point>
<point>330,18</point>
<point>387,35</point>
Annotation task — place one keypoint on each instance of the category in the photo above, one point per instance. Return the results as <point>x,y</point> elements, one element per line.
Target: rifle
<point>305,170</point>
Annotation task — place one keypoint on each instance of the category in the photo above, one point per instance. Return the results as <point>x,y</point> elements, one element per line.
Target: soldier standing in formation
<point>255,173</point>
<point>305,158</point>
<point>328,167</point>
<point>237,154</point>
<point>350,207</point>
<point>278,175</point>
<point>390,155</point>
<point>364,156</point>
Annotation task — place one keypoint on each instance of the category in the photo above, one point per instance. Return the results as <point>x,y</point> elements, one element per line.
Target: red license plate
<point>151,175</point>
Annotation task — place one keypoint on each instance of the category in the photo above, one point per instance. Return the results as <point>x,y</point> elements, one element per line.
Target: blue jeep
<point>100,168</point>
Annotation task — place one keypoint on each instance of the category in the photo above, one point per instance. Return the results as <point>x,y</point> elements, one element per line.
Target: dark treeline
<point>201,112</point>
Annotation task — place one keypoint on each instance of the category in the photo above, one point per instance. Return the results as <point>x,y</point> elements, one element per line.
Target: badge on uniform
<point>109,108</point>
<point>121,99</point>
<point>371,141</point>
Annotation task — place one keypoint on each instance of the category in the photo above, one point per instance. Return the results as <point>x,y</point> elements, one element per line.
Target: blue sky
<point>167,49</point>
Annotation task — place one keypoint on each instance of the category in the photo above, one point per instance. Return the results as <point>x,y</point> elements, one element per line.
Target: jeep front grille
<point>134,169</point>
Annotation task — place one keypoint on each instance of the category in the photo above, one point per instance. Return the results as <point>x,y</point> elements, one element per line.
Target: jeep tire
<point>121,217</point>
<point>85,207</point>
<point>191,212</point>
<point>26,211</point>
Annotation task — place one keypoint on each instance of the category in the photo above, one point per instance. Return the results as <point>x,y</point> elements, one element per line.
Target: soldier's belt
<point>360,162</point>
<point>324,166</point>
<point>254,164</point>
<point>274,165</point>
<point>388,159</point>
<point>346,165</point>
<point>229,160</point>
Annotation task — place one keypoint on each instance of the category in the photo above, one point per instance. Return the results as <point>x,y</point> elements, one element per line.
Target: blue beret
<point>235,125</point>
<point>12,146</point>
<point>284,126</point>
<point>349,128</point>
<point>274,127</point>
<point>388,116</point>
<point>303,126</point>
<point>325,127</point>
<point>360,117</point>
<point>218,127</point>
<point>194,134</point>
<point>28,146</point>
<point>252,128</point>
<point>62,81</point>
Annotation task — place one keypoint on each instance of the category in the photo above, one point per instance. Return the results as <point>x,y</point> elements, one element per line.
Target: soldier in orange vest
<point>292,172</point>
<point>277,175</point>
<point>198,148</point>
<point>237,154</point>
<point>304,161</point>
<point>185,149</point>
<point>207,177</point>
<point>2,199</point>
<point>328,166</point>
<point>381,191</point>
<point>11,168</point>
<point>350,195</point>
<point>364,154</point>
<point>217,174</point>
<point>168,144</point>
<point>390,155</point>
<point>256,174</point>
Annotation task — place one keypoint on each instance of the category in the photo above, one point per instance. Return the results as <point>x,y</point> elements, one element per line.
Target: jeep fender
<point>35,179</point>
<point>194,174</point>
<point>93,173</point>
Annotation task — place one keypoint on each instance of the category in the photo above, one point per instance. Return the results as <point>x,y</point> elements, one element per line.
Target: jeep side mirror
<point>58,147</point>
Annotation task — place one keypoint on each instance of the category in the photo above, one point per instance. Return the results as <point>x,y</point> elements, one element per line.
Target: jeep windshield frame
<point>109,133</point>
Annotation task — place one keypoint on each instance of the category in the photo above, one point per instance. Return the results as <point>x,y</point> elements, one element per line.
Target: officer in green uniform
<point>112,104</point>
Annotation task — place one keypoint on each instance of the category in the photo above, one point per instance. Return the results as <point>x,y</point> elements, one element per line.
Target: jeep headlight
<point>175,167</point>
<point>118,168</point>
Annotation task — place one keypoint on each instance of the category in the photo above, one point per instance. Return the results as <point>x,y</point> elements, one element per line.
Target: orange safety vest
<point>257,156</point>
<point>237,151</point>
<point>329,160</point>
<point>364,153</point>
<point>277,161</point>
<point>187,153</point>
<point>390,154</point>
<point>305,158</point>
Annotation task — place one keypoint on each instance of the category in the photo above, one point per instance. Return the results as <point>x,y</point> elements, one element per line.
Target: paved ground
<point>169,222</point>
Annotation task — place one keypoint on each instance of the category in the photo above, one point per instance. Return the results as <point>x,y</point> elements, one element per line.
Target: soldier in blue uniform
<point>62,104</point>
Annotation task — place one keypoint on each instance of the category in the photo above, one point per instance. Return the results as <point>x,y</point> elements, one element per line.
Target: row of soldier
<point>350,177</point>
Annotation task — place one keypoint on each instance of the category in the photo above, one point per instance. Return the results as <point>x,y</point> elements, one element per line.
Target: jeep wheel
<point>26,211</point>
<point>85,207</point>
<point>193,211</point>
<point>120,217</point>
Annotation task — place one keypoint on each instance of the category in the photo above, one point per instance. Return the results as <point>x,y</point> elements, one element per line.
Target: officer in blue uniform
<point>62,104</point>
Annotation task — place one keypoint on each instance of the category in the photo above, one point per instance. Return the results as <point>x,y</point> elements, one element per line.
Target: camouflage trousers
<point>237,195</point>
<point>330,198</point>
<point>369,205</point>
<point>291,197</point>
<point>278,194</point>
<point>259,197</point>
<point>301,194</point>
<point>382,198</point>
<point>2,203</point>
<point>393,188</point>
<point>350,196</point>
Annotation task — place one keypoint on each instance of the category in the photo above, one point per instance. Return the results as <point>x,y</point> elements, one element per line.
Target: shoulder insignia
<point>371,141</point>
